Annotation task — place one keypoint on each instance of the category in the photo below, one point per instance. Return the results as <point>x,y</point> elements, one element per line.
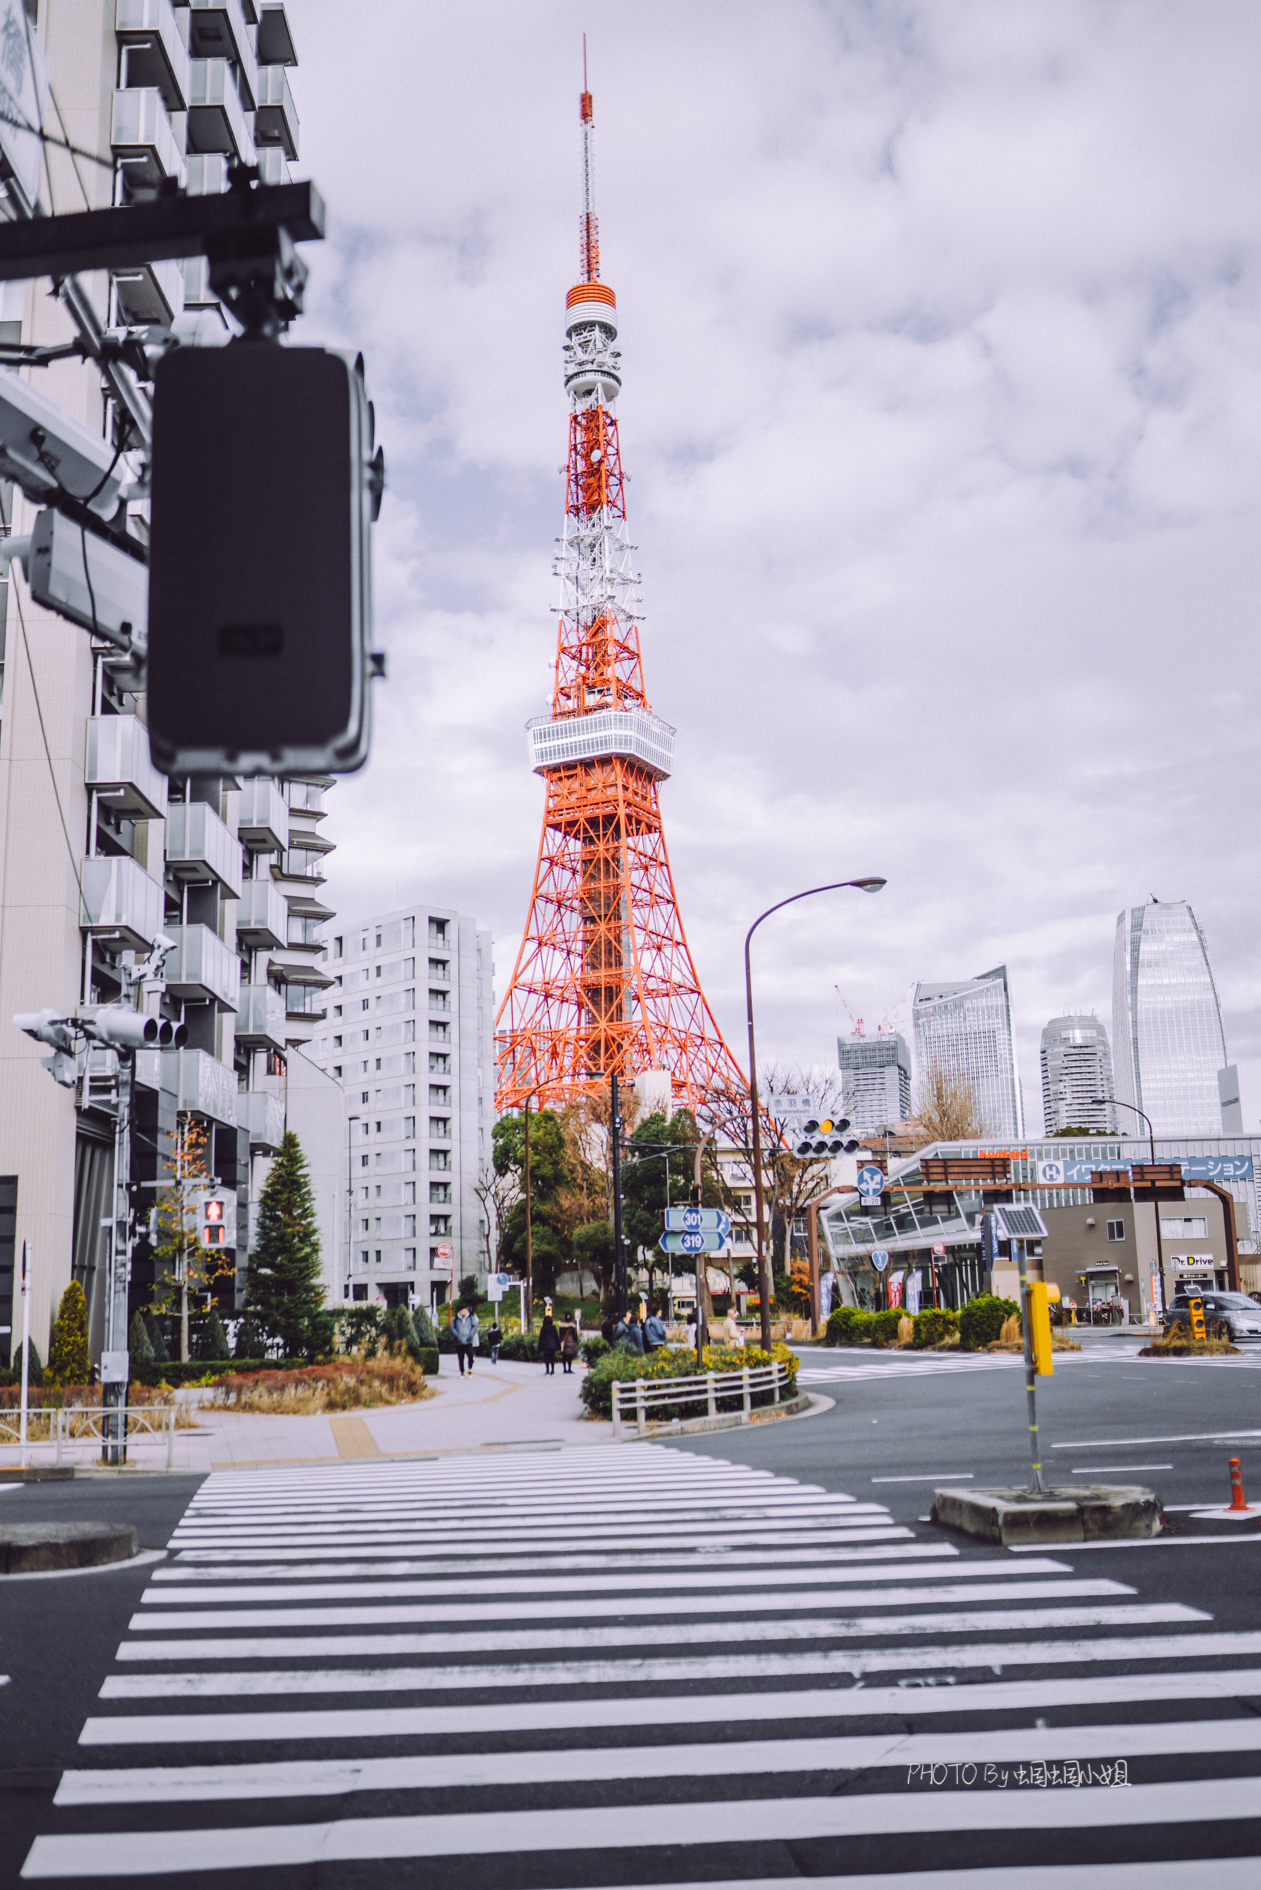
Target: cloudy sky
<point>942,360</point>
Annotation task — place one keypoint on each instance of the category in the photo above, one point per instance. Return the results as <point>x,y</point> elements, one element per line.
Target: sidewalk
<point>495,1407</point>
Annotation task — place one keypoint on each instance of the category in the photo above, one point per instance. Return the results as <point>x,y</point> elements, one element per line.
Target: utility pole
<point>114,1362</point>
<point>619,1252</point>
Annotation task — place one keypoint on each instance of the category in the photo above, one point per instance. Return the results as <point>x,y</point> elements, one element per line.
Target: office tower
<point>1076,1068</point>
<point>1167,1036</point>
<point>964,1030</point>
<point>99,854</point>
<point>410,1041</point>
<point>875,1080</point>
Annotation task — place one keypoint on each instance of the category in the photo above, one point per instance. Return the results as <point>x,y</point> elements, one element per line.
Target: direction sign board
<point>497,1285</point>
<point>694,1220</point>
<point>870,1181</point>
<point>880,1259</point>
<point>686,1241</point>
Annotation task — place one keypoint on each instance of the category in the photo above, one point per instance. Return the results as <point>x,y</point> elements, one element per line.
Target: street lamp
<point>763,1269</point>
<point>350,1205</point>
<point>1102,1102</point>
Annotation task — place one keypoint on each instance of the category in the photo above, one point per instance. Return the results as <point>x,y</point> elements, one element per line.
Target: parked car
<point>1235,1315</point>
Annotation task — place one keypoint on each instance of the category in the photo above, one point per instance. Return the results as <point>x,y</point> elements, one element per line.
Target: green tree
<point>138,1345</point>
<point>468,1294</point>
<point>251,1340</point>
<point>592,1247</point>
<point>284,1289</point>
<point>69,1361</point>
<point>211,1340</point>
<point>398,1328</point>
<point>549,1185</point>
<point>157,1339</point>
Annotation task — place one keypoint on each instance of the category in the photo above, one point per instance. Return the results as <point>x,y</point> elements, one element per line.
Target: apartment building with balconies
<point>409,1038</point>
<point>100,855</point>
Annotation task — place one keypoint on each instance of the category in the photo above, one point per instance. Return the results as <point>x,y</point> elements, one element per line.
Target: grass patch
<point>1178,1347</point>
<point>346,1384</point>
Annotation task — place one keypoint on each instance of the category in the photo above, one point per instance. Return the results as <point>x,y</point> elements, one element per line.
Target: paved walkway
<point>495,1407</point>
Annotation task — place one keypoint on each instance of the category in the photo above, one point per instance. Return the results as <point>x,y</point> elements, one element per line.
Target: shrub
<point>157,1339</point>
<point>594,1348</point>
<point>423,1324</point>
<point>839,1327</point>
<point>251,1342</point>
<point>623,1367</point>
<point>935,1326</point>
<point>69,1361</point>
<point>1012,1331</point>
<point>519,1345</point>
<point>982,1319</point>
<point>210,1341</point>
<point>138,1346</point>
<point>884,1327</point>
<point>344,1385</point>
<point>34,1369</point>
<point>398,1329</point>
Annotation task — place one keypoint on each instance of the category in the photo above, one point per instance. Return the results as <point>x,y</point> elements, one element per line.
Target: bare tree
<point>789,1183</point>
<point>497,1194</point>
<point>945,1108</point>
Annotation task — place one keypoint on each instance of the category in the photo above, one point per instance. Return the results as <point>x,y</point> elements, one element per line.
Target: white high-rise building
<point>1076,1069</point>
<point>410,1041</point>
<point>875,1080</point>
<point>964,1030</point>
<point>100,855</point>
<point>1167,1038</point>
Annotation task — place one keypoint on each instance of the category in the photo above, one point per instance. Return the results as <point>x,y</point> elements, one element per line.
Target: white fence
<point>645,1395</point>
<point>153,1423</point>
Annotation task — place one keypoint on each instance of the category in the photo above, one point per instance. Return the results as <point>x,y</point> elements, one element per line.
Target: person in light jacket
<point>654,1332</point>
<point>466,1330</point>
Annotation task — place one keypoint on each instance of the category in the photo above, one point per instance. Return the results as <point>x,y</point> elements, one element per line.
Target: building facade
<point>1076,1077</point>
<point>964,1030</point>
<point>875,1080</point>
<point>100,856</point>
<point>410,1041</point>
<point>1167,1037</point>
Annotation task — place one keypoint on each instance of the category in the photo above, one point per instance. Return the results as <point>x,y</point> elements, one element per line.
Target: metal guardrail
<point>98,1425</point>
<point>707,1389</point>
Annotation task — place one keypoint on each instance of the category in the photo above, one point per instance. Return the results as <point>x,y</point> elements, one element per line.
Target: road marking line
<point>1186,1437</point>
<point>945,1476</point>
<point>603,1827</point>
<point>1106,1469</point>
<point>300,1778</point>
<point>239,1565</point>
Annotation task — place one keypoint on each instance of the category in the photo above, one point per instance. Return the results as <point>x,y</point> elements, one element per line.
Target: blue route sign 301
<point>699,1220</point>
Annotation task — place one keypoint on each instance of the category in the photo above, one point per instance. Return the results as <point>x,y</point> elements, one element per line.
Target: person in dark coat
<point>608,1328</point>
<point>494,1339</point>
<point>568,1346</point>
<point>634,1340</point>
<point>549,1344</point>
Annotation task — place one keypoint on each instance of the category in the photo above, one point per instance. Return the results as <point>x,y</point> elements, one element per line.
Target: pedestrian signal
<point>824,1138</point>
<point>216,1220</point>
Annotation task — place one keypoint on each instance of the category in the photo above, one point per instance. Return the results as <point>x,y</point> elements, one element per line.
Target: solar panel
<point>1021,1223</point>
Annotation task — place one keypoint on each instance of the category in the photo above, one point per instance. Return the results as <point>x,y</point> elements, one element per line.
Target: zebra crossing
<point>631,1665</point>
<point>867,1366</point>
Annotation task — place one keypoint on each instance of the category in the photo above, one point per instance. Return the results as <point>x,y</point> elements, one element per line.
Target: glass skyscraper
<point>964,1030</point>
<point>875,1080</point>
<point>1077,1068</point>
<point>1167,1036</point>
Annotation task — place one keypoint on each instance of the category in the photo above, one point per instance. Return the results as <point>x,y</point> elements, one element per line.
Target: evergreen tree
<point>157,1339</point>
<point>211,1341</point>
<point>284,1290</point>
<point>69,1362</point>
<point>422,1326</point>
<point>251,1340</point>
<point>138,1345</point>
<point>398,1329</point>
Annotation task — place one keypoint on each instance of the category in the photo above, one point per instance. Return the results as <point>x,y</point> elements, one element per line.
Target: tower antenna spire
<point>589,229</point>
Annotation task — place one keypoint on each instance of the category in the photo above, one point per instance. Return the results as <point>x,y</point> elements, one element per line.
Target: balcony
<point>216,121</point>
<point>302,865</point>
<point>276,119</point>
<point>203,1084</point>
<point>152,292</point>
<point>207,177</point>
<point>303,1002</point>
<point>120,769</point>
<point>217,33</point>
<point>273,165</point>
<point>262,918</point>
<point>202,969</point>
<point>156,54</point>
<point>263,1115</point>
<point>142,138</point>
<point>200,849</point>
<point>299,964</point>
<point>120,898</point>
<point>439,1001</point>
<point>260,1018</point>
<point>263,817</point>
<point>275,40</point>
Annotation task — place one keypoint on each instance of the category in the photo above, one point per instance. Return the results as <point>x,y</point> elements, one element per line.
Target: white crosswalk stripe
<point>636,1666</point>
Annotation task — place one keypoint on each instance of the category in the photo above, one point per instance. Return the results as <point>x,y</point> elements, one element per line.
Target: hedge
<point>983,1319</point>
<point>624,1367</point>
<point>935,1326</point>
<point>195,1371</point>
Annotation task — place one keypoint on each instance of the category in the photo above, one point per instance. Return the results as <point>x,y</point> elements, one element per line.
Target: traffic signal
<point>260,606</point>
<point>47,1027</point>
<point>216,1219</point>
<point>1040,1327</point>
<point>125,1029</point>
<point>825,1138</point>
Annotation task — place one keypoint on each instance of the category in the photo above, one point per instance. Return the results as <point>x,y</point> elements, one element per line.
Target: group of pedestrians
<point>626,1329</point>
<point>557,1343</point>
<point>562,1341</point>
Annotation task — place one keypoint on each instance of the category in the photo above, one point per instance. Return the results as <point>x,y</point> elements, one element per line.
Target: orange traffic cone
<point>1237,1498</point>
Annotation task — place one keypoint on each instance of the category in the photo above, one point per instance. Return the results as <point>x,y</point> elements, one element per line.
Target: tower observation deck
<point>604,982</point>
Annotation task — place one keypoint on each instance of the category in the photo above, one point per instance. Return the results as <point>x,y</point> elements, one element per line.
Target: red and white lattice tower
<point>604,982</point>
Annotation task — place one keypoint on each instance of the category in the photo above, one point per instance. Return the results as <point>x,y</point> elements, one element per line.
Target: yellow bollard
<point>1040,1327</point>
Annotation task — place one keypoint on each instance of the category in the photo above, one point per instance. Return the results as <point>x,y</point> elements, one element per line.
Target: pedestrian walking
<point>467,1333</point>
<point>654,1332</point>
<point>731,1330</point>
<point>549,1344</point>
<point>494,1339</point>
<point>568,1347</point>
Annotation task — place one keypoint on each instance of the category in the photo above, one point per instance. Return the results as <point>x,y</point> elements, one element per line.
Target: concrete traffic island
<point>1020,1518</point>
<point>40,1548</point>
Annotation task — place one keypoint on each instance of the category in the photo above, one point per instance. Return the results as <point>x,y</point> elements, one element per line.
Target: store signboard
<point>1076,1174</point>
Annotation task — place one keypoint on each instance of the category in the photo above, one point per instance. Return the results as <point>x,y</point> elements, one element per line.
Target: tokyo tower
<point>604,982</point>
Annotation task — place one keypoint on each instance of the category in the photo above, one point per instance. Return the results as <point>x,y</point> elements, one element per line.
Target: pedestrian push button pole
<point>1019,1225</point>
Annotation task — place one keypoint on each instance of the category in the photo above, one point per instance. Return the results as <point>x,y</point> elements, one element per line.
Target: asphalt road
<point>515,1735</point>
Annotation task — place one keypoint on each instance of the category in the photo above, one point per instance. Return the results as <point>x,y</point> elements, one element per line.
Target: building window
<point>439,1224</point>
<point>409,1094</point>
<point>1116,1230</point>
<point>337,948</point>
<point>409,1225</point>
<point>439,1093</point>
<point>337,1069</point>
<point>439,1065</point>
<point>409,1257</point>
<point>363,1161</point>
<point>409,1128</point>
<point>363,1005</point>
<point>439,1128</point>
<point>409,1191</point>
<point>337,1043</point>
<point>409,967</point>
<point>363,1257</point>
<point>360,1292</point>
<point>439,1158</point>
<point>378,1128</point>
<point>439,1190</point>
<point>363,1097</point>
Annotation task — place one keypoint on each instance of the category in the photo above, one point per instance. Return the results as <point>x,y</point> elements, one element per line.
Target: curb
<point>803,1405</point>
<point>37,1548</point>
<point>45,1473</point>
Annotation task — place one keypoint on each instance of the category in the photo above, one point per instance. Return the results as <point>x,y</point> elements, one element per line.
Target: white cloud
<point>943,406</point>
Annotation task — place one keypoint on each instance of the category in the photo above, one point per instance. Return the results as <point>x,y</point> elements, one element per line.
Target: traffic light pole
<point>114,1391</point>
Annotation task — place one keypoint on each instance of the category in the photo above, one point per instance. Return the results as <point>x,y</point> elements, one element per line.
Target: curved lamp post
<point>763,1266</point>
<point>1116,1103</point>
